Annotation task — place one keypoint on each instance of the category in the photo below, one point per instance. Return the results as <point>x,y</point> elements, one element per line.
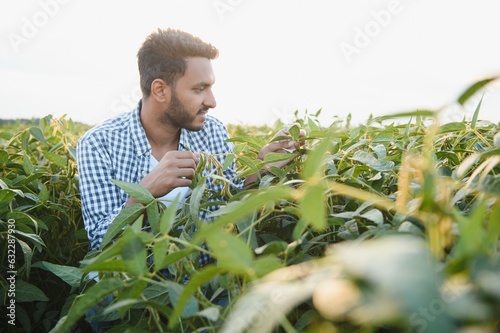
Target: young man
<point>157,145</point>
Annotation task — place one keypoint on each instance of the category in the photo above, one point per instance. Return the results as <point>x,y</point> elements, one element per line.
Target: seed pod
<point>198,172</point>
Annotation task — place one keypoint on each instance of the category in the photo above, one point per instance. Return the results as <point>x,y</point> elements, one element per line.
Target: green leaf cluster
<point>388,226</point>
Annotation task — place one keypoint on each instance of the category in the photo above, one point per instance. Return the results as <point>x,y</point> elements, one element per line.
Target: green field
<point>388,226</point>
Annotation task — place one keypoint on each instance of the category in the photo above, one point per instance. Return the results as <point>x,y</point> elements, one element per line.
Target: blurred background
<point>346,57</point>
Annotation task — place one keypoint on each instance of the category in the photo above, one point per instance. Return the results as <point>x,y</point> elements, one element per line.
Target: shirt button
<point>144,173</point>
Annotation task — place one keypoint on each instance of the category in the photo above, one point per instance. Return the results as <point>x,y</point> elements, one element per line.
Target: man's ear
<point>160,91</point>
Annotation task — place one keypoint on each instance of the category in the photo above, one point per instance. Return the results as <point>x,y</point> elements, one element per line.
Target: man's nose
<point>210,100</point>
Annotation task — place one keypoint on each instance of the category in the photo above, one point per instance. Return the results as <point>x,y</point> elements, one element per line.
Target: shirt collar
<point>138,134</point>
<point>183,140</point>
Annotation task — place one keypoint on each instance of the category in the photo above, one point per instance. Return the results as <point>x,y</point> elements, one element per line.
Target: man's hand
<point>175,169</point>
<point>278,146</point>
<point>281,146</point>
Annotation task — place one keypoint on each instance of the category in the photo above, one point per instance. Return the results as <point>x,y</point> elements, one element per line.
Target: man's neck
<point>162,137</point>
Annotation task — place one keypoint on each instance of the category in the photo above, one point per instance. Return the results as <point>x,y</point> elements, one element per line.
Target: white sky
<point>79,57</point>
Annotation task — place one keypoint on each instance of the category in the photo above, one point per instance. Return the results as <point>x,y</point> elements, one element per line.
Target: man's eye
<point>200,89</point>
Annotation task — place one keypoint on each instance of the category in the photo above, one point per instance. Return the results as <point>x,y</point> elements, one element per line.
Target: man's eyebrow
<point>204,84</point>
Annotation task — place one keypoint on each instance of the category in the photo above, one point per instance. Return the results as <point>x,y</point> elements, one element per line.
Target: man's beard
<point>178,116</point>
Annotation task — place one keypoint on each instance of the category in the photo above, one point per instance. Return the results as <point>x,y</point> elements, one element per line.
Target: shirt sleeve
<point>101,200</point>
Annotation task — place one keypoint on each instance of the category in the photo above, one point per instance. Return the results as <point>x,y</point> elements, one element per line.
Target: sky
<point>379,57</point>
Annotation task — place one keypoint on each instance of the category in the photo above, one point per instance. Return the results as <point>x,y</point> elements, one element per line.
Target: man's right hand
<point>175,169</point>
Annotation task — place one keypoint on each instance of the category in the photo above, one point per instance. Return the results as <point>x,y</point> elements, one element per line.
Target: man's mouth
<point>203,112</point>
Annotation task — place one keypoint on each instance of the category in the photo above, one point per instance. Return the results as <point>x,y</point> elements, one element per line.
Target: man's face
<point>192,96</point>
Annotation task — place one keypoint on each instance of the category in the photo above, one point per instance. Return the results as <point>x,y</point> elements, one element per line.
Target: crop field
<point>388,226</point>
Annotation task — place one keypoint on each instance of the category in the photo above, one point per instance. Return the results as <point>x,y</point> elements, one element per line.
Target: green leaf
<point>4,157</point>
<point>6,135</point>
<point>24,218</point>
<point>476,114</point>
<point>84,302</point>
<point>467,165</point>
<point>313,127</point>
<point>277,157</point>
<point>374,215</point>
<point>27,165</point>
<point>167,219</point>
<point>111,252</point>
<point>132,291</point>
<point>37,134</point>
<point>228,161</point>
<point>26,292</point>
<point>372,162</point>
<point>44,194</point>
<point>350,230</point>
<point>493,228</point>
<point>313,164</point>
<point>416,113</point>
<point>156,293</point>
<point>273,247</point>
<point>160,252</point>
<point>265,265</point>
<point>182,297</point>
<point>471,239</point>
<point>496,140</point>
<point>471,91</point>
<point>120,307</point>
<point>127,215</point>
<point>189,307</point>
<point>294,131</point>
<point>67,304</point>
<point>35,239</point>
<point>6,197</point>
<point>153,215</point>
<point>70,275</point>
<point>255,166</point>
<point>247,230</point>
<point>195,201</point>
<point>113,265</point>
<point>313,206</point>
<point>452,127</point>
<point>299,229</point>
<point>134,254</point>
<point>230,251</point>
<point>175,256</point>
<point>237,211</point>
<point>28,255</point>
<point>380,150</point>
<point>136,191</point>
<point>58,160</point>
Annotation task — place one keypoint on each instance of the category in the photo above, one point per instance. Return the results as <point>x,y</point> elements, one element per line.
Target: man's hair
<point>163,56</point>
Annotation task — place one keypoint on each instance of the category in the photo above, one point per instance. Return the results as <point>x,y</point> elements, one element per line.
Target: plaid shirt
<point>119,149</point>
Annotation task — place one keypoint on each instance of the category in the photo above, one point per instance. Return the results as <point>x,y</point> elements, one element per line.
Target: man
<point>157,145</point>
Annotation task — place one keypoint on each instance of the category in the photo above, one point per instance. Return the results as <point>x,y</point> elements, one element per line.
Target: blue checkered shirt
<point>118,149</point>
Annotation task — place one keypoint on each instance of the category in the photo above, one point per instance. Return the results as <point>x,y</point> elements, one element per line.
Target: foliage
<point>382,227</point>
<point>39,193</point>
